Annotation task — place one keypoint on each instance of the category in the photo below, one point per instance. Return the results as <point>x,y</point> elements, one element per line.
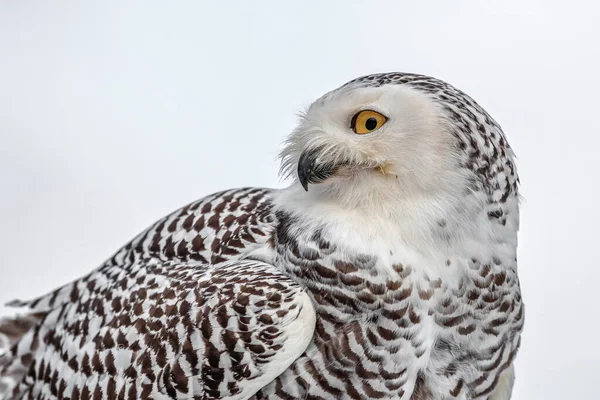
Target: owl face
<point>391,141</point>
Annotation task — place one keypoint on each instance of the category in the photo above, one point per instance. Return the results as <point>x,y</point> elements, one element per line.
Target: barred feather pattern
<point>157,318</point>
<point>205,302</point>
<point>142,327</point>
<point>373,335</point>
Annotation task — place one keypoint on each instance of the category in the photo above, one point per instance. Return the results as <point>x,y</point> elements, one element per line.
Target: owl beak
<point>312,167</point>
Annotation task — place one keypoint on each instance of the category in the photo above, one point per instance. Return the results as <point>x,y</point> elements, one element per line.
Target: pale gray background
<point>112,115</point>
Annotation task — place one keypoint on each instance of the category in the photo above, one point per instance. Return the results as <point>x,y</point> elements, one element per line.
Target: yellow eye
<point>367,121</point>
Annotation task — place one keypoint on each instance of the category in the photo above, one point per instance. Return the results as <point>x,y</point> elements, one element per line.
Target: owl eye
<point>367,121</point>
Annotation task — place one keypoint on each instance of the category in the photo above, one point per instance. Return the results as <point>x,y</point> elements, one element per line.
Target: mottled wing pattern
<point>11,332</point>
<point>183,331</point>
<point>177,313</point>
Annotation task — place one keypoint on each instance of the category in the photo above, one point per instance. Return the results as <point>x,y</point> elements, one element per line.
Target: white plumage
<point>386,270</point>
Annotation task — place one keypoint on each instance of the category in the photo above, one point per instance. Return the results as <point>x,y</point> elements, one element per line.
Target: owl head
<point>398,137</point>
<point>412,151</point>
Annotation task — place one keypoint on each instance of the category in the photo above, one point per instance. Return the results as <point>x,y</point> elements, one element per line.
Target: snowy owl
<point>386,270</point>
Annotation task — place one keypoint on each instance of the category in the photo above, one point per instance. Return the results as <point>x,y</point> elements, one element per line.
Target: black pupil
<point>371,123</point>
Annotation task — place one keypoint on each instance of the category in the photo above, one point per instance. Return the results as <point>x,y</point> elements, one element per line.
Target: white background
<point>115,113</point>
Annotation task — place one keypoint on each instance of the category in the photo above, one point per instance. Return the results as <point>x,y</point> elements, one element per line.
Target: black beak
<point>312,169</point>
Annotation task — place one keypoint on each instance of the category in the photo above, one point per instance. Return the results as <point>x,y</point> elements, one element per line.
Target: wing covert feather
<point>179,312</point>
<point>183,332</point>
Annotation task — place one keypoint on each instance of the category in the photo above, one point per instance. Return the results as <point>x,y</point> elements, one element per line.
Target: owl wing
<point>183,331</point>
<point>165,318</point>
